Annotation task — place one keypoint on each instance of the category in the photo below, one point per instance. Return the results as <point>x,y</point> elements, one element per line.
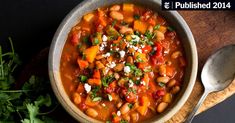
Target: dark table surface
<point>32,24</point>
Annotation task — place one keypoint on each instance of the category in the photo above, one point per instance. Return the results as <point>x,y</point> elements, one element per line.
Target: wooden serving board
<point>212,30</point>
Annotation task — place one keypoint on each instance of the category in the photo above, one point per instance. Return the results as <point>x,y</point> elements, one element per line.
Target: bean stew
<point>122,63</point>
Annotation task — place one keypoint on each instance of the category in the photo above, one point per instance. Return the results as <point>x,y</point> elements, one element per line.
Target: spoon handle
<point>194,111</point>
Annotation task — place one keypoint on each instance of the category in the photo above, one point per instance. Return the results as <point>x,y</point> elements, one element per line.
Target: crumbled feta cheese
<point>103,104</point>
<point>127,45</point>
<point>135,48</point>
<point>107,54</point>
<point>87,87</point>
<point>118,113</point>
<point>104,38</point>
<point>101,47</point>
<point>142,83</point>
<point>112,64</point>
<point>138,78</point>
<point>122,53</point>
<point>139,50</point>
<point>131,84</point>
<point>106,70</point>
<point>135,38</point>
<point>142,46</point>
<point>117,49</point>
<point>127,69</point>
<point>155,48</point>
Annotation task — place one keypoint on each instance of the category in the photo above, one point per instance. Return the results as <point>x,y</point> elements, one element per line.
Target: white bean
<point>161,107</point>
<point>91,112</point>
<point>116,15</point>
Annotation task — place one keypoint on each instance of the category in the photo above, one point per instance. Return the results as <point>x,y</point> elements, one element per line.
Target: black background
<point>32,23</point>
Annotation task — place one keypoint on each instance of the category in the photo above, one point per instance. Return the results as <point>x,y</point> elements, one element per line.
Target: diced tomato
<point>83,106</point>
<point>142,65</point>
<point>108,90</point>
<point>82,64</point>
<point>147,15</point>
<point>161,92</point>
<point>116,118</point>
<point>157,94</point>
<point>146,49</point>
<point>75,38</point>
<point>159,49</point>
<point>151,21</point>
<point>96,74</point>
<point>80,88</point>
<point>131,97</point>
<point>170,71</point>
<point>157,60</point>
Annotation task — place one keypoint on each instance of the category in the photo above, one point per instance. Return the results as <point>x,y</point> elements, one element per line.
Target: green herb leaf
<point>130,106</point>
<point>148,35</point>
<point>106,80</point>
<point>156,27</point>
<point>129,90</point>
<point>138,72</point>
<point>137,33</point>
<point>137,82</point>
<point>170,28</point>
<point>83,78</point>
<point>86,39</point>
<point>83,57</point>
<point>123,121</point>
<point>96,41</point>
<point>97,99</point>
<point>161,84</point>
<point>114,23</point>
<point>136,16</point>
<point>108,121</point>
<point>110,97</point>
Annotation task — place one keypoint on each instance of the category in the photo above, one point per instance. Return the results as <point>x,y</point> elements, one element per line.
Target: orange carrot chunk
<point>82,64</point>
<point>94,81</point>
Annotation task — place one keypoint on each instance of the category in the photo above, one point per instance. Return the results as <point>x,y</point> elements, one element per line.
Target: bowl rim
<point>60,93</point>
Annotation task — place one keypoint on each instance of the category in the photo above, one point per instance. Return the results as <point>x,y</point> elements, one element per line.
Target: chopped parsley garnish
<point>150,43</point>
<point>106,80</point>
<point>97,99</point>
<point>114,23</point>
<point>108,121</point>
<point>94,92</point>
<point>149,35</point>
<point>136,16</point>
<point>131,90</point>
<point>147,69</point>
<point>123,23</point>
<point>86,39</point>
<point>110,97</point>
<point>161,84</point>
<point>83,57</point>
<point>83,78</point>
<point>138,72</point>
<point>130,106</point>
<point>137,82</point>
<point>137,33</point>
<point>138,59</point>
<point>156,27</point>
<point>170,28</point>
<point>123,121</point>
<point>96,41</point>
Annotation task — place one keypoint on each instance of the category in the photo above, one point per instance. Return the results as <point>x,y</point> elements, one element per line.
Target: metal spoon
<point>217,73</point>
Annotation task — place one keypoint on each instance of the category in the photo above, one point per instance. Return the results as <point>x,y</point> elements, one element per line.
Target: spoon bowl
<point>217,73</point>
<point>219,70</point>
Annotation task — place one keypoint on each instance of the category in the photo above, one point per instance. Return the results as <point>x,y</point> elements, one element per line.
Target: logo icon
<point>166,5</point>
